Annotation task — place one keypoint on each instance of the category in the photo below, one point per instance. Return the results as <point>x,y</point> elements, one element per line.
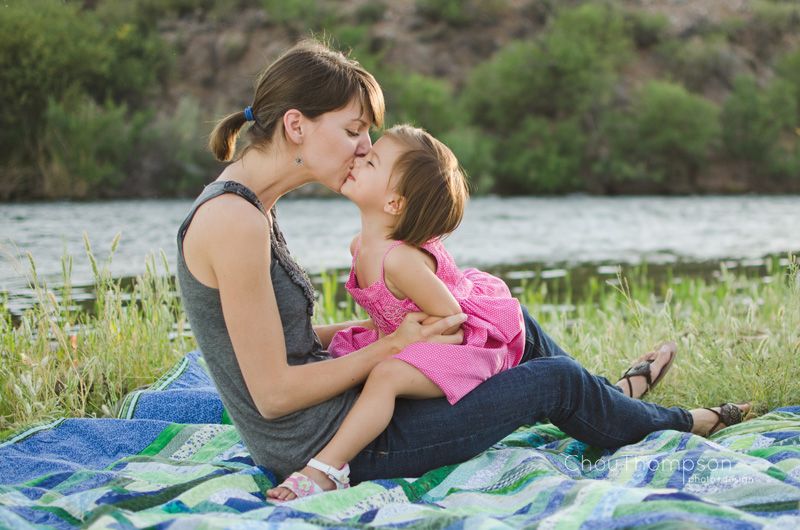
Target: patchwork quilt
<point>171,459</point>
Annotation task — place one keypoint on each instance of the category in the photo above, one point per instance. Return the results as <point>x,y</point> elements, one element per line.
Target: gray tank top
<point>285,444</point>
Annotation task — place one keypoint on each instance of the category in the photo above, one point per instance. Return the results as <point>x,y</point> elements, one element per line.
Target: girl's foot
<point>647,370</point>
<point>710,421</point>
<point>316,477</point>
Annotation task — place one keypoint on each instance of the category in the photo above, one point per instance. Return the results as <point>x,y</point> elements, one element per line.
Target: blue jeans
<point>548,385</point>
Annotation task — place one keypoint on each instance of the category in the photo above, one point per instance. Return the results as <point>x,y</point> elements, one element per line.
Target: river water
<point>515,234</point>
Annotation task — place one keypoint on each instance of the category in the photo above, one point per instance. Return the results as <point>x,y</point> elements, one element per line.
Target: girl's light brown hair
<point>309,77</point>
<point>432,184</point>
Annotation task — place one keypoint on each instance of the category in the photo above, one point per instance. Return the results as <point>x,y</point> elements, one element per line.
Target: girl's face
<point>336,140</point>
<point>367,184</point>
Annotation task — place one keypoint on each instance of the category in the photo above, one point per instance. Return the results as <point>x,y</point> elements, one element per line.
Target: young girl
<point>411,192</point>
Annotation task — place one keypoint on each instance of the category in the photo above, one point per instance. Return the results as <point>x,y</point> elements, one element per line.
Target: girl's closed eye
<point>352,133</point>
<point>369,162</point>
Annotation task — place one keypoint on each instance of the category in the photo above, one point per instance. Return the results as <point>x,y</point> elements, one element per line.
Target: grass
<point>59,360</point>
<point>738,336</point>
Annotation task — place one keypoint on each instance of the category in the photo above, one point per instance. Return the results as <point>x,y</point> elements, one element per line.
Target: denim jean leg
<point>539,344</point>
<point>426,434</point>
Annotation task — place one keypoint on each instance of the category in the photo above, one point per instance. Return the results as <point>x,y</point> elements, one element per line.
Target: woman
<point>250,306</point>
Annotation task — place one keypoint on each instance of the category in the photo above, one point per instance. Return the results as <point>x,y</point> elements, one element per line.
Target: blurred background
<point>110,99</point>
<point>589,113</point>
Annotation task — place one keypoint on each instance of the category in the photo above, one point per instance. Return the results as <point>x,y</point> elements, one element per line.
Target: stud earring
<point>298,161</point>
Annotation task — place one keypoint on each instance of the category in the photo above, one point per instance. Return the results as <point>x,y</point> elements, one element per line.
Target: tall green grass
<point>738,336</point>
<point>60,360</point>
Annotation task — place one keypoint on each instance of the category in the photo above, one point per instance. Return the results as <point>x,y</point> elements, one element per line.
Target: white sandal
<point>340,477</point>
<point>303,486</point>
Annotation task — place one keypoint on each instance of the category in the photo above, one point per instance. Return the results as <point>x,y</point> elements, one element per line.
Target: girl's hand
<point>449,331</point>
<point>414,329</point>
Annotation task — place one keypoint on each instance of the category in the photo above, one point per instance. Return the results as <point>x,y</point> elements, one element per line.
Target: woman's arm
<point>239,260</point>
<point>411,273</point>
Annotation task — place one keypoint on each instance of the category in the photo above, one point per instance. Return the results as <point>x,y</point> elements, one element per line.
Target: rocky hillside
<point>218,59</point>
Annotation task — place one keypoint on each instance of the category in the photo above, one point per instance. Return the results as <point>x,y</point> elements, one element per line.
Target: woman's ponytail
<point>309,77</point>
<point>222,141</point>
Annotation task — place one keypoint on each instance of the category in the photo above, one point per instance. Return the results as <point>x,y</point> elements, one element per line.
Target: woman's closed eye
<point>353,133</point>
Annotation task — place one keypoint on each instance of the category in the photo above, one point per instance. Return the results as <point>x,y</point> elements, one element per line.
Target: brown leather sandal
<point>643,368</point>
<point>728,414</point>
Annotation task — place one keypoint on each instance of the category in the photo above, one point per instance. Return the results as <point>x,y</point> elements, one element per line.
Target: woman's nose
<point>364,144</point>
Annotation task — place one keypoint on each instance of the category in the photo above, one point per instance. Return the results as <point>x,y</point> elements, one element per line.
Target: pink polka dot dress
<point>494,337</point>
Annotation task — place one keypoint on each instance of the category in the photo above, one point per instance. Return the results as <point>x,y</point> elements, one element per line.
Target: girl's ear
<point>395,204</point>
<point>292,125</point>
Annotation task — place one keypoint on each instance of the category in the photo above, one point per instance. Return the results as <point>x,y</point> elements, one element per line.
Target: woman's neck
<point>270,174</point>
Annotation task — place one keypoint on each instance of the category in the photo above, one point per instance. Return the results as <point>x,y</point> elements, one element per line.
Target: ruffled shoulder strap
<point>298,275</point>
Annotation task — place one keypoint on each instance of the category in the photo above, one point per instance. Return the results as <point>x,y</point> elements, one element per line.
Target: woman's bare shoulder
<point>229,220</point>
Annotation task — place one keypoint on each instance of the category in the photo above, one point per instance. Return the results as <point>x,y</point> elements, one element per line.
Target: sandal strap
<point>341,477</point>
<point>727,415</point>
<point>640,368</point>
<point>730,414</point>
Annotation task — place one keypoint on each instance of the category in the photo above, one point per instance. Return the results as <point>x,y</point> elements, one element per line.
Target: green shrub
<point>788,69</point>
<point>87,146</point>
<point>423,101</point>
<point>646,29</point>
<point>475,152</point>
<point>759,130</point>
<point>371,12</point>
<point>350,39</point>
<point>173,157</point>
<point>43,53</point>
<point>497,90</point>
<point>777,18</point>
<point>770,22</point>
<point>569,69</point>
<point>50,48</point>
<point>752,122</point>
<point>541,157</point>
<point>602,25</point>
<point>461,12</point>
<point>666,134</point>
<point>302,15</point>
<point>696,62</point>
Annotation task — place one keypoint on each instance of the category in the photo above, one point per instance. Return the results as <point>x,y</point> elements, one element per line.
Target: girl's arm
<point>411,273</point>
<point>238,261</point>
<point>325,332</point>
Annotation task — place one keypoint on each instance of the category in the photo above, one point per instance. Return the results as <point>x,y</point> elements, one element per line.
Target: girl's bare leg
<point>368,418</point>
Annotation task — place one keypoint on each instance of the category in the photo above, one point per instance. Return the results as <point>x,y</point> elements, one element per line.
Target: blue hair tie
<point>248,114</point>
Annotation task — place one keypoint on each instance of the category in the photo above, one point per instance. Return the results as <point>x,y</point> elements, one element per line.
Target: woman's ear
<point>293,125</point>
<point>395,204</point>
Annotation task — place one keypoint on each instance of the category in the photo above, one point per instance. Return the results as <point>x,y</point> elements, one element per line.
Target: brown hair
<point>309,77</point>
<point>432,184</point>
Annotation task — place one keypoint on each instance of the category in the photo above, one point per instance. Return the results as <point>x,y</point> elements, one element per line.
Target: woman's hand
<point>417,328</point>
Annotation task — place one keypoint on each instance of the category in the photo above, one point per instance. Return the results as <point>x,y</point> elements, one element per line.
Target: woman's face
<point>336,139</point>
